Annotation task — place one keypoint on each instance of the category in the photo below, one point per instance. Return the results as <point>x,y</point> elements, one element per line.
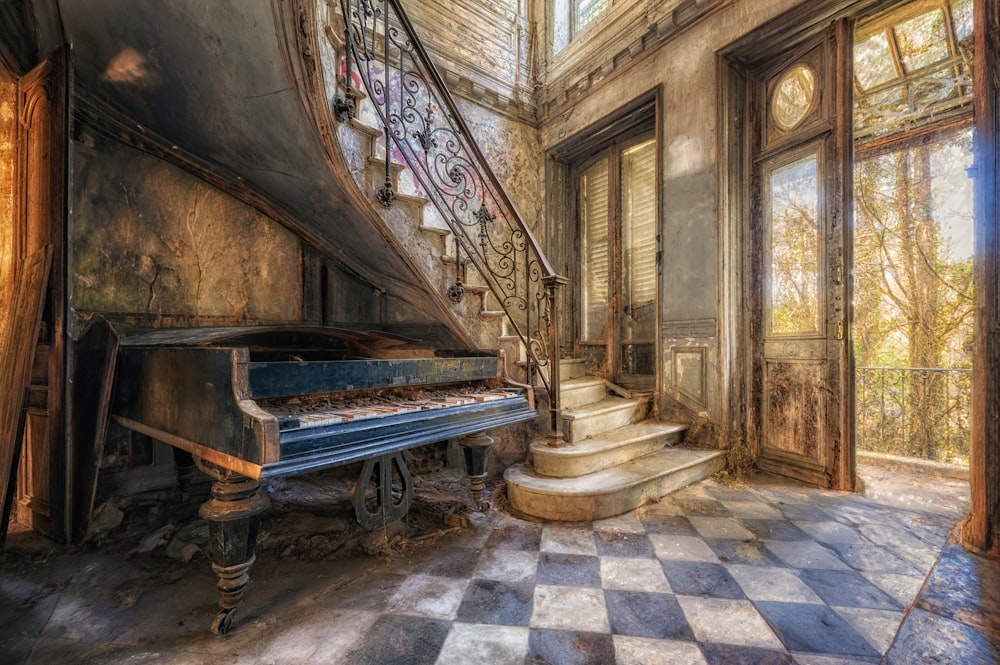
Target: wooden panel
<point>293,378</point>
<point>689,373</point>
<point>794,405</point>
<point>194,395</point>
<point>96,356</point>
<point>15,366</point>
<point>982,531</point>
<point>778,349</point>
<point>42,111</point>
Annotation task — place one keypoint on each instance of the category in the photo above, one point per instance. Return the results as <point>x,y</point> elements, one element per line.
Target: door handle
<point>838,330</point>
<point>838,274</point>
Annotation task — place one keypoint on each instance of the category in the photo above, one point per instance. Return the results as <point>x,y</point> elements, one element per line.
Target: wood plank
<point>15,362</point>
<point>96,358</point>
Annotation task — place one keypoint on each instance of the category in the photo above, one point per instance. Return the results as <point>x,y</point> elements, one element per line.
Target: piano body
<point>265,402</point>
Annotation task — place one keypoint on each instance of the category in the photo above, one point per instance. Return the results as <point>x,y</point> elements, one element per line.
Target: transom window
<point>912,67</point>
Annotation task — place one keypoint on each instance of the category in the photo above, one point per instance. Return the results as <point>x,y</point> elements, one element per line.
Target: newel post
<point>553,284</point>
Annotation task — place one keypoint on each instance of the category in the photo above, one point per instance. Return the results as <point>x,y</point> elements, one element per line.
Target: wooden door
<point>801,262</point>
<point>982,529</point>
<point>42,117</point>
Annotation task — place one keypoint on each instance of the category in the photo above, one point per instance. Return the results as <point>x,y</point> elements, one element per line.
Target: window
<point>618,239</point>
<point>570,17</point>
<point>586,11</point>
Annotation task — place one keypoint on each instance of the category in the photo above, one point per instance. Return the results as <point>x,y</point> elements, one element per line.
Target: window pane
<point>596,261</point>
<point>793,97</point>
<point>794,243</point>
<point>922,40</point>
<point>587,11</point>
<point>873,61</point>
<point>961,12</point>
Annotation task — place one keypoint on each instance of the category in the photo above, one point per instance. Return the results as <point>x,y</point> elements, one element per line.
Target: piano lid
<point>270,336</point>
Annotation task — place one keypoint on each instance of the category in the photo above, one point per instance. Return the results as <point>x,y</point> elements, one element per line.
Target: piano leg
<point>233,514</point>
<point>477,451</point>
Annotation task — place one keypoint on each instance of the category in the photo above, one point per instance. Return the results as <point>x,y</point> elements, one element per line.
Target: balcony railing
<point>422,122</point>
<point>914,412</point>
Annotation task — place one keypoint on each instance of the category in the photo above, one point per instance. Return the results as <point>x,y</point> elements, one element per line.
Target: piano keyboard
<point>296,414</point>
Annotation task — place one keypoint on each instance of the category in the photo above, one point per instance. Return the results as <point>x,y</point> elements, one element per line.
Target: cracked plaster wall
<point>150,239</point>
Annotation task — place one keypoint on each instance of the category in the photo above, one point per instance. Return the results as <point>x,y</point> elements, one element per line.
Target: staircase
<point>615,458</point>
<point>405,141</point>
<point>416,223</point>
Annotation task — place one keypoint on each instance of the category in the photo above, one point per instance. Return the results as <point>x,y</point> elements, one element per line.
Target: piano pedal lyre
<point>384,470</point>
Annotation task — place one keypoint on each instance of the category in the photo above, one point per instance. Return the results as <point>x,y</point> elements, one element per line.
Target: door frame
<point>639,116</point>
<point>742,333</point>
<point>613,362</point>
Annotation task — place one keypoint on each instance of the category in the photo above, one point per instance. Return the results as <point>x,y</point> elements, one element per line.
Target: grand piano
<point>249,404</point>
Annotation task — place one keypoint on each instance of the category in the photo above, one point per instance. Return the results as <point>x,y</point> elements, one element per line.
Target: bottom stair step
<point>612,491</point>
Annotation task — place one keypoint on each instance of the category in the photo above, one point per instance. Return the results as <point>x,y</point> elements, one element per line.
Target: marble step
<point>577,392</point>
<point>605,451</point>
<point>598,417</point>
<point>571,368</point>
<point>611,491</point>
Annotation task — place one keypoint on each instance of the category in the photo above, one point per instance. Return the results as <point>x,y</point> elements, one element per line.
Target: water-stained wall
<point>147,238</point>
<point>513,150</point>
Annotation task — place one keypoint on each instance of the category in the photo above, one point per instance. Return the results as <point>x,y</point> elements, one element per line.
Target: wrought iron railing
<point>421,120</point>
<point>914,412</point>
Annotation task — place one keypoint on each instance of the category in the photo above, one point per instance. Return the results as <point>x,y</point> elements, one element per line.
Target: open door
<point>982,529</point>
<point>800,144</point>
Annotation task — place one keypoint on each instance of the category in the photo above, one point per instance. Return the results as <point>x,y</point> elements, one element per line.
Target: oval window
<point>793,97</point>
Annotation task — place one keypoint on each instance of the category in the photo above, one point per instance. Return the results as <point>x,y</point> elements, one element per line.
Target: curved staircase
<point>615,458</point>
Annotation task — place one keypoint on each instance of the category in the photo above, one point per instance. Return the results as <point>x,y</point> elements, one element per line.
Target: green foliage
<point>913,290</point>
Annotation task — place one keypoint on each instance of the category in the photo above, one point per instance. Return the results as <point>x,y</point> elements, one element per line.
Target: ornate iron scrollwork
<point>420,119</point>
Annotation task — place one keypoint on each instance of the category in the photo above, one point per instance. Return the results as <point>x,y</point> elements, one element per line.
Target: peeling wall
<point>148,238</point>
<point>513,150</point>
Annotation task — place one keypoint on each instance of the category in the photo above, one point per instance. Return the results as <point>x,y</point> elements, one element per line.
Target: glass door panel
<point>792,271</point>
<point>639,273</point>
<point>594,193</point>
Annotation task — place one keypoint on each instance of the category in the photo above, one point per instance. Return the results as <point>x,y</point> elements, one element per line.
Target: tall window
<point>618,221</point>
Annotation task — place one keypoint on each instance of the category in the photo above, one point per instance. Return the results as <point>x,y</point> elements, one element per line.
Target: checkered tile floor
<point>765,574</point>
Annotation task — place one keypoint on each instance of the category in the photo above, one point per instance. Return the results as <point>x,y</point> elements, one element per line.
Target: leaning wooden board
<point>15,367</point>
<point>97,353</point>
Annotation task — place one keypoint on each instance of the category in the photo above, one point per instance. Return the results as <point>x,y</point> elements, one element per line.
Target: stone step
<point>599,417</point>
<point>571,368</point>
<point>605,451</point>
<point>612,491</point>
<point>577,392</point>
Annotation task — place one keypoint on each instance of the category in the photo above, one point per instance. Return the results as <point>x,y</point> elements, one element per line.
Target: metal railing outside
<point>914,412</point>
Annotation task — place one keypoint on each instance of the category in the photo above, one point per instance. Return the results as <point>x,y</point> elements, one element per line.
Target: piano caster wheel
<point>224,621</point>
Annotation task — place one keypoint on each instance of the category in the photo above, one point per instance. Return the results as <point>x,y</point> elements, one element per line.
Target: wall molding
<point>699,328</point>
